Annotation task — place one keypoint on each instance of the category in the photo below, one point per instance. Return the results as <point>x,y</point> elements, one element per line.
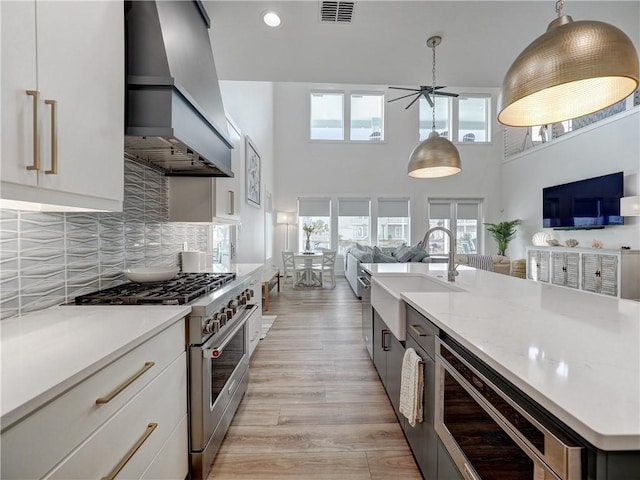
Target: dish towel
<point>482,262</point>
<point>412,386</point>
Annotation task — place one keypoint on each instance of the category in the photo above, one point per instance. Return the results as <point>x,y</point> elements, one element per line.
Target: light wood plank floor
<point>315,407</point>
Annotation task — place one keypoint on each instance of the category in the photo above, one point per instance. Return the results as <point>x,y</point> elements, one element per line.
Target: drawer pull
<point>417,330</point>
<point>116,470</point>
<point>125,384</point>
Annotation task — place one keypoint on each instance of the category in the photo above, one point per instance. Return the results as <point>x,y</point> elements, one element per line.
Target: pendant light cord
<point>433,87</point>
<point>559,5</point>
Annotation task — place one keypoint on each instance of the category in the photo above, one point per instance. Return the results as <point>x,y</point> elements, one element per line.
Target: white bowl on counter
<point>150,274</point>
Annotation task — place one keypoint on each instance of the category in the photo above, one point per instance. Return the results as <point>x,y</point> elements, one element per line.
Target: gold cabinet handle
<point>54,137</point>
<point>125,384</point>
<point>36,140</point>
<point>232,203</point>
<point>132,451</point>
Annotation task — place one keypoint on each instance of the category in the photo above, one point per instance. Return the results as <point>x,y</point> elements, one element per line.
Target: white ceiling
<point>386,42</point>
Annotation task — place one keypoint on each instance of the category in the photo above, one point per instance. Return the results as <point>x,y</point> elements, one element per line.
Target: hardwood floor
<point>315,407</point>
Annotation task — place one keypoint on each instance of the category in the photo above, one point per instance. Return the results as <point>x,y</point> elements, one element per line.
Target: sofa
<point>357,254</point>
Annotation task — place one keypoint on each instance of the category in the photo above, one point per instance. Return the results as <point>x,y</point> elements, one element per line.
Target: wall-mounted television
<point>585,204</point>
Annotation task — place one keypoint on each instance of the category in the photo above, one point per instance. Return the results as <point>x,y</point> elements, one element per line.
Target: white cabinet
<point>600,273</point>
<point>607,272</point>
<point>207,199</point>
<point>139,399</point>
<point>63,103</point>
<point>538,265</point>
<point>565,269</point>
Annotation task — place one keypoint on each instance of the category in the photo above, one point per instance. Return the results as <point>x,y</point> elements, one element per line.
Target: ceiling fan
<point>428,92</point>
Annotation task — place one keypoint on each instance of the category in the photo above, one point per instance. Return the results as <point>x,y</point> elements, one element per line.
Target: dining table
<point>308,277</point>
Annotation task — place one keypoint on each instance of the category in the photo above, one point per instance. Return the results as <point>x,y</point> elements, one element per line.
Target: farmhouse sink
<point>385,297</point>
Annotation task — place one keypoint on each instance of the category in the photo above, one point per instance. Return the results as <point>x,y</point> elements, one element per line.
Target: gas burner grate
<point>184,288</point>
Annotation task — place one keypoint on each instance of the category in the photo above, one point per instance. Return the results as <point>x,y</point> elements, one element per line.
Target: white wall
<point>609,146</point>
<point>334,169</point>
<point>250,105</point>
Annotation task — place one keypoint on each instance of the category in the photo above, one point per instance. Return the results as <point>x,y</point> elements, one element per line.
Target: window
<point>362,118</point>
<point>545,133</point>
<point>462,217</point>
<point>353,222</point>
<point>443,118</point>
<point>327,116</point>
<point>366,116</point>
<point>474,118</point>
<point>316,212</point>
<point>393,222</point>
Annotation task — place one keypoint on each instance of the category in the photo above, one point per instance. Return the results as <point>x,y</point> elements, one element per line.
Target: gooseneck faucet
<point>452,272</point>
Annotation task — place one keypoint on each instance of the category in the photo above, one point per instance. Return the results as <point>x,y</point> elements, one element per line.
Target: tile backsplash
<point>50,258</point>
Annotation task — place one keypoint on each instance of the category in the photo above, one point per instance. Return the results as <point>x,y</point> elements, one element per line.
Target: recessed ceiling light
<point>272,19</point>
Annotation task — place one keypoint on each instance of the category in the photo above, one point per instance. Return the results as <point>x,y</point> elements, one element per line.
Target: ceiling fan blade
<point>404,96</point>
<point>407,89</point>
<point>412,102</point>
<point>446,94</point>
<point>428,99</point>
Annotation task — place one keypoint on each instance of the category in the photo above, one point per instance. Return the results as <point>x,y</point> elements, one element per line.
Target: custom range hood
<point>175,119</point>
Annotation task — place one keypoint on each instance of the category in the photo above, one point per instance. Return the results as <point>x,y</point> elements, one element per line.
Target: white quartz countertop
<point>576,354</point>
<point>46,352</point>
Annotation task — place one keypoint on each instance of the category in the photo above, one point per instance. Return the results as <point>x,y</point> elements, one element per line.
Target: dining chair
<point>327,267</point>
<point>288,263</point>
<point>302,268</point>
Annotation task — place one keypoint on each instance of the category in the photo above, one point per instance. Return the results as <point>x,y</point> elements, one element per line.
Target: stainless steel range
<point>217,343</point>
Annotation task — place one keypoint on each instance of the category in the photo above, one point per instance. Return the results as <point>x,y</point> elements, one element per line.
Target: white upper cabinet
<point>209,199</point>
<point>228,199</point>
<point>63,143</point>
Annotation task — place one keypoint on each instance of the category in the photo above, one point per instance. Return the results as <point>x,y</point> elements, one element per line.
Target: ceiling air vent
<point>336,12</point>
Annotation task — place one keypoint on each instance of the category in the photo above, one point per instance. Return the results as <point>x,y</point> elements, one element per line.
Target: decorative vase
<point>307,245</point>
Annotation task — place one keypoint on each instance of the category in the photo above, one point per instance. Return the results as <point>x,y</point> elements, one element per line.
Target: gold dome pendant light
<point>436,156</point>
<point>574,69</point>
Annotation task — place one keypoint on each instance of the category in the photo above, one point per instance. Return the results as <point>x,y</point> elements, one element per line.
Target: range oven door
<point>488,434</point>
<point>217,371</point>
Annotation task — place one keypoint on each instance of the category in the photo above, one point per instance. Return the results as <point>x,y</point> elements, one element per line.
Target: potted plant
<point>503,233</point>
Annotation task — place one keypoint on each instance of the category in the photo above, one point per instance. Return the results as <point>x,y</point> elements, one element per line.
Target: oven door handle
<point>216,352</point>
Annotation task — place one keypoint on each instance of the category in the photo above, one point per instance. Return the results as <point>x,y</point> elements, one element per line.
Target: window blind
<point>354,207</point>
<point>393,207</point>
<point>439,210</point>
<point>314,207</point>
<point>467,211</point>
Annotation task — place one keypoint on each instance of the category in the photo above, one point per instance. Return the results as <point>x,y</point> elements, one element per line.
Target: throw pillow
<point>420,255</point>
<point>362,256</point>
<point>364,248</point>
<point>405,254</point>
<point>381,257</point>
<point>398,248</point>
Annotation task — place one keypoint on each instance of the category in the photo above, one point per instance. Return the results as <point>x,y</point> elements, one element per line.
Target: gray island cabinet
<point>523,380</point>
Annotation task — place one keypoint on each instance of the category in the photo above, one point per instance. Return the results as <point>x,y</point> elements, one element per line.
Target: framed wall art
<point>252,173</point>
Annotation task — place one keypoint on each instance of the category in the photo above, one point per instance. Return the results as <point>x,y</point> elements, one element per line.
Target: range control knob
<point>211,325</point>
<point>233,306</point>
<point>222,317</point>
<point>229,313</point>
<point>242,300</point>
<point>249,293</point>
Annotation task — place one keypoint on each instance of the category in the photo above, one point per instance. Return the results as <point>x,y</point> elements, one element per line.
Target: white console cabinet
<point>607,272</point>
<point>127,420</point>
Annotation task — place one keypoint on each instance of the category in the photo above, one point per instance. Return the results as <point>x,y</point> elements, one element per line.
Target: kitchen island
<point>575,354</point>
